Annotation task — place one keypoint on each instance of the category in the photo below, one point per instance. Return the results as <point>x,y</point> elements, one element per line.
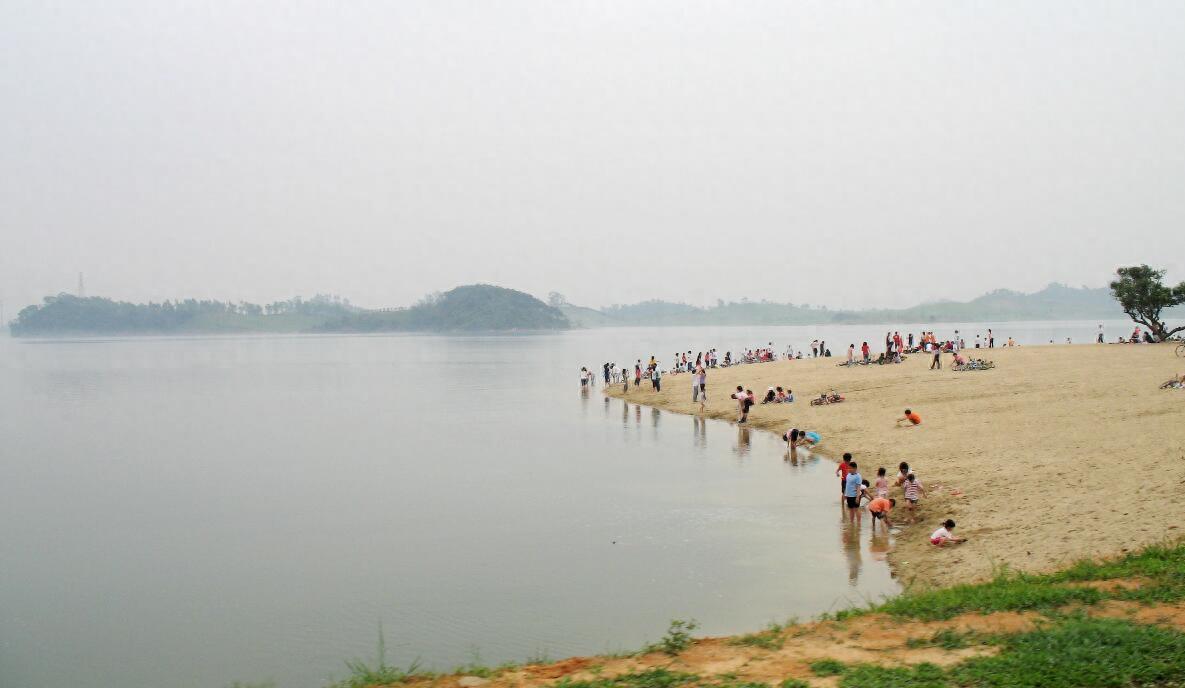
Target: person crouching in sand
<point>944,535</point>
<point>880,508</point>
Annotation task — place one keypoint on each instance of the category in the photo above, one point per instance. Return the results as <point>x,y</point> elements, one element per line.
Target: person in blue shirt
<point>851,488</point>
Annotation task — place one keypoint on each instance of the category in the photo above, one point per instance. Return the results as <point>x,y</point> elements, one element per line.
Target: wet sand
<point>1059,453</point>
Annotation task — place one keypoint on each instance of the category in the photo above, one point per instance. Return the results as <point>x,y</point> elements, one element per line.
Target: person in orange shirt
<point>913,418</point>
<point>880,508</point>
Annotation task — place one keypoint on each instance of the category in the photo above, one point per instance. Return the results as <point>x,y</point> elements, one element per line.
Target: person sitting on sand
<point>943,536</point>
<point>911,417</point>
<point>770,396</point>
<point>880,508</point>
<point>781,397</point>
<point>959,360</point>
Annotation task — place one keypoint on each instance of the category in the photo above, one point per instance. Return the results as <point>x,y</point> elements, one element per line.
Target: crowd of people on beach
<point>858,495</point>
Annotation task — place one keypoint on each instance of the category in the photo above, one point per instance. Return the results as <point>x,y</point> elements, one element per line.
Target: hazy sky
<point>848,154</point>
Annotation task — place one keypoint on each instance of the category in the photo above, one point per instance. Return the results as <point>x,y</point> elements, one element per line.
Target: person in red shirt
<point>864,350</point>
<point>842,472</point>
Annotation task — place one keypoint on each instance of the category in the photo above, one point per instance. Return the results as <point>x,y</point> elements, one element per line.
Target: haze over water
<point>181,512</point>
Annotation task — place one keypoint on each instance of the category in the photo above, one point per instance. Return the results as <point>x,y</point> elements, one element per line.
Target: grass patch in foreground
<point>1072,652</point>
<point>949,639</point>
<point>919,676</point>
<point>1007,592</point>
<point>827,667</point>
<point>661,678</point>
<point>1081,651</point>
<point>772,638</point>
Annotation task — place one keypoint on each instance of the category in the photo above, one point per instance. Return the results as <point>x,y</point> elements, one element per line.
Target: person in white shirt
<point>943,536</point>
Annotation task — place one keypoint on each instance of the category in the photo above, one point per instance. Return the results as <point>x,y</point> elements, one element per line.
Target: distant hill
<point>472,308</point>
<point>478,307</point>
<point>580,316</point>
<point>64,315</point>
<point>1054,302</point>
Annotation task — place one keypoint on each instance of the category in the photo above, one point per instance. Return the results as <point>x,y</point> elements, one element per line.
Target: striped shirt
<point>911,488</point>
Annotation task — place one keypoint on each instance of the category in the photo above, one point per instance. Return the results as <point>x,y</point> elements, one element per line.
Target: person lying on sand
<point>943,536</point>
<point>1174,382</point>
<point>911,417</point>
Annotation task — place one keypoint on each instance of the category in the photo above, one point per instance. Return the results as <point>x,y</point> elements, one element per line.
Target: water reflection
<point>849,537</point>
<point>744,442</point>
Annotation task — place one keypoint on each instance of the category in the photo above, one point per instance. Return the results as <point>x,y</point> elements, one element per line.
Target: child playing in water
<point>842,471</point>
<point>943,536</point>
<point>880,508</point>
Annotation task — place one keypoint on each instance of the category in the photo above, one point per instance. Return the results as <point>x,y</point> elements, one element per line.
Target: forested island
<point>472,308</point>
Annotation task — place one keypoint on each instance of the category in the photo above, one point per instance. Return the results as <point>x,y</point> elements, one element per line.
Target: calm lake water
<point>180,512</point>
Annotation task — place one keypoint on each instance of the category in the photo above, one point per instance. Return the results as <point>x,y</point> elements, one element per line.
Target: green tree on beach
<point>1141,292</point>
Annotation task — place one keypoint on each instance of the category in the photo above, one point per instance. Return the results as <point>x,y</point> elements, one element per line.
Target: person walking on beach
<point>866,351</point>
<point>937,362</point>
<point>991,339</point>
<point>656,378</point>
<point>814,348</point>
<point>638,373</point>
<point>584,375</point>
<point>913,489</point>
<point>625,381</point>
<point>851,353</point>
<point>882,483</point>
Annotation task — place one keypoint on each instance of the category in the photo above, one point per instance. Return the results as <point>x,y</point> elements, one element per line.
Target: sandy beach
<point>1059,453</point>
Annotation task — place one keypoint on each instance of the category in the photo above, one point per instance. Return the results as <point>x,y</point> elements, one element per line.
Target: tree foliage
<point>68,314</point>
<point>1141,292</point>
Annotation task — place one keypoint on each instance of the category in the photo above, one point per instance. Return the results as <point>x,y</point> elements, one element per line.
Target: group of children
<point>856,491</point>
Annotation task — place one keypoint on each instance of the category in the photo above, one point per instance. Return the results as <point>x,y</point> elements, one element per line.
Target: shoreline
<point>1060,452</point>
